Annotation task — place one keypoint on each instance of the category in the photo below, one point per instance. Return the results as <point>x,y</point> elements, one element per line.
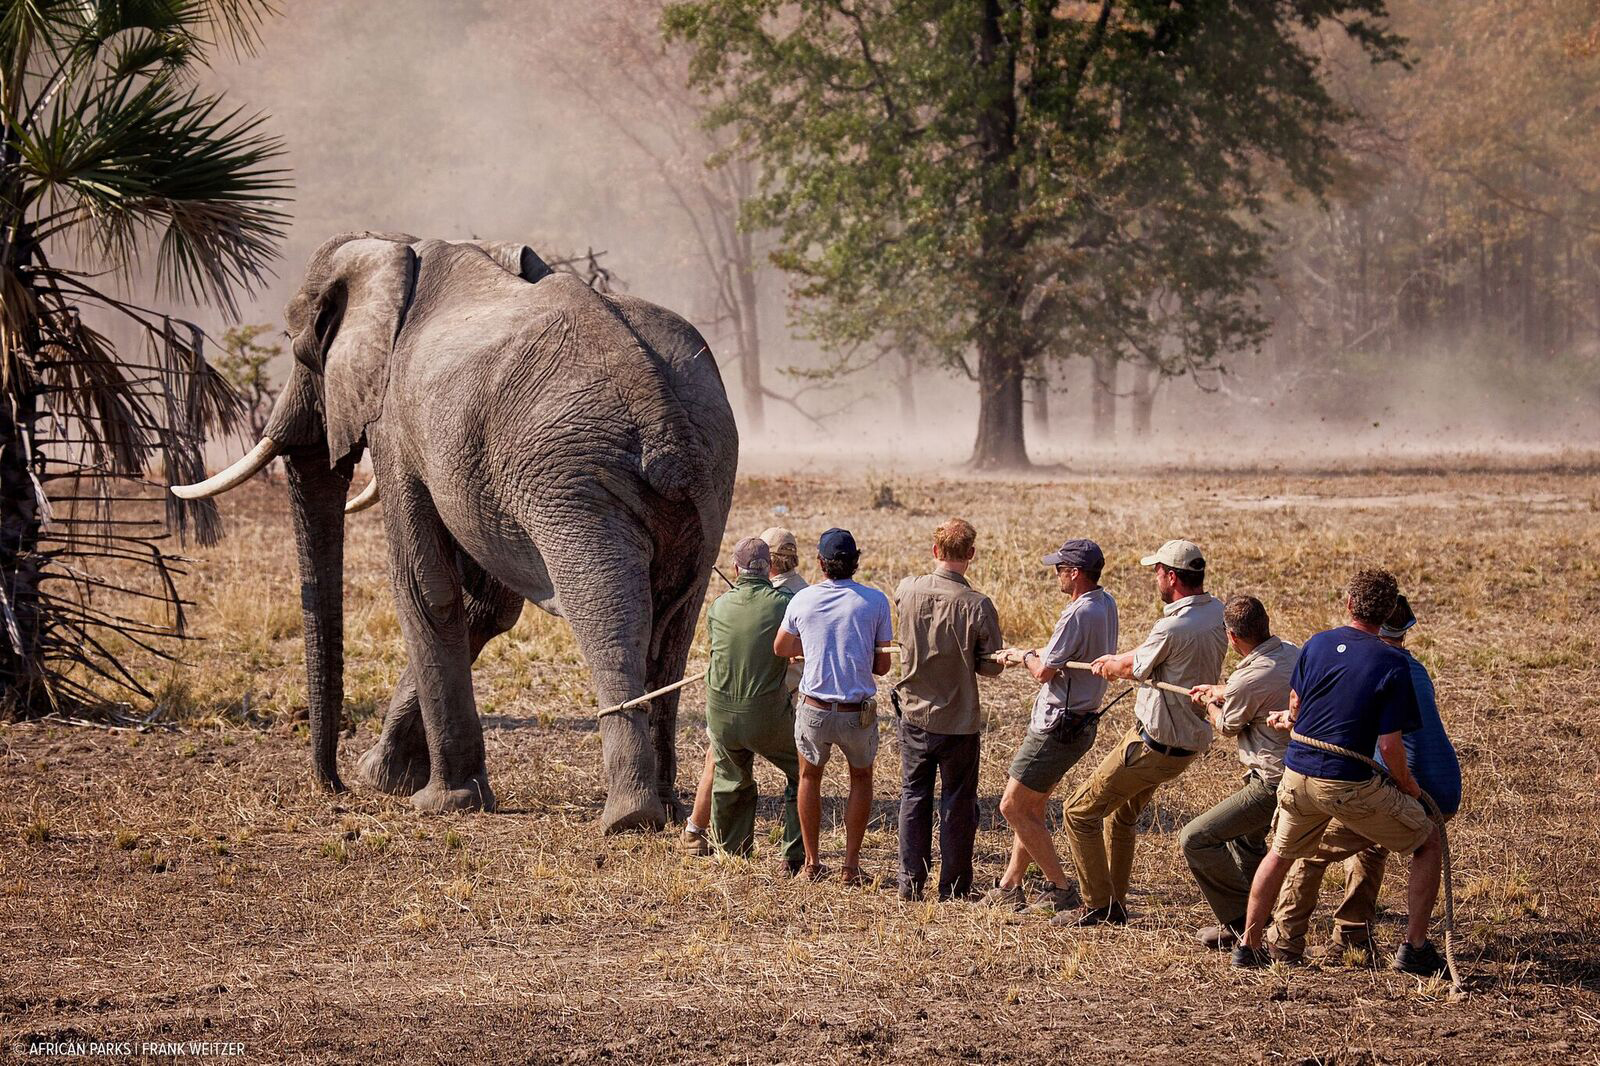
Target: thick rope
<point>1444,840</point>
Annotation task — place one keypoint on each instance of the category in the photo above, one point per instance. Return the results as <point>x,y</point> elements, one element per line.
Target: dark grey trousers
<point>955,760</point>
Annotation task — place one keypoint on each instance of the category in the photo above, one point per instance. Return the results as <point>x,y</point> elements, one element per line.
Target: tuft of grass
<point>336,849</point>
<point>453,840</point>
<point>36,831</point>
<point>125,839</point>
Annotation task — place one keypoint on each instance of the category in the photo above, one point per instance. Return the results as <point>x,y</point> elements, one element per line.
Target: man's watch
<point>1027,653</point>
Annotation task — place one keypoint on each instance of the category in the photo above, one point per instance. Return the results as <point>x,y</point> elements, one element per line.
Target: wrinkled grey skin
<point>532,440</point>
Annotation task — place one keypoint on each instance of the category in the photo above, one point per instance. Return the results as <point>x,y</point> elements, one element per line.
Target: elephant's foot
<point>395,773</point>
<point>633,812</point>
<point>473,794</point>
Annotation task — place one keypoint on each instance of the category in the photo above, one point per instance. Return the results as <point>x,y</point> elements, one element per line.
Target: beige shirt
<point>946,629</point>
<point>793,582</point>
<point>1185,648</point>
<point>1258,686</point>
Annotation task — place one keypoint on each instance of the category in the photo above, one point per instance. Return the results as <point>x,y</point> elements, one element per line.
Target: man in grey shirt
<point>1185,648</point>
<point>1062,728</point>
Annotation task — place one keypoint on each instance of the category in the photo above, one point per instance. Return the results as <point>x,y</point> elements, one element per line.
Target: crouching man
<point>1431,758</point>
<point>1353,692</point>
<point>747,707</point>
<point>1224,845</point>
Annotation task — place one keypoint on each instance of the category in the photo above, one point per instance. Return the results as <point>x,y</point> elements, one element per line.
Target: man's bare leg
<point>1023,810</point>
<point>1422,889</point>
<point>857,809</point>
<point>1264,896</point>
<point>809,805</point>
<point>700,817</point>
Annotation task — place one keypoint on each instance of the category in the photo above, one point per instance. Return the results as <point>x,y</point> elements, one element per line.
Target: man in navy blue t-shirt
<point>1353,691</point>
<point>1432,760</point>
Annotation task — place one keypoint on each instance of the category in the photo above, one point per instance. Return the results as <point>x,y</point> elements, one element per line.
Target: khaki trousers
<point>1103,814</point>
<point>1364,864</point>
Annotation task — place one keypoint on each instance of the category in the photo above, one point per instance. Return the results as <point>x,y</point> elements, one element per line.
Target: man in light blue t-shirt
<point>839,627</point>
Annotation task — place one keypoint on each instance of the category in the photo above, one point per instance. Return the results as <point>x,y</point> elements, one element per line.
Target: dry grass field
<point>185,882</point>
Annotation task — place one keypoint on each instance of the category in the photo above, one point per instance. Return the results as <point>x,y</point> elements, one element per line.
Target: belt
<point>829,705</point>
<point>1162,749</point>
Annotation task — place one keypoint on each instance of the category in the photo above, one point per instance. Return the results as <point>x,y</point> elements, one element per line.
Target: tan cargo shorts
<point>1374,809</point>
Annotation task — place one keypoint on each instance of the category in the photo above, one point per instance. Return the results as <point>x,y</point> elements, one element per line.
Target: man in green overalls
<point>748,712</point>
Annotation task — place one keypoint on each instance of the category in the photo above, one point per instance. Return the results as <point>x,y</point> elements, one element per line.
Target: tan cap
<point>778,538</point>
<point>1178,555</point>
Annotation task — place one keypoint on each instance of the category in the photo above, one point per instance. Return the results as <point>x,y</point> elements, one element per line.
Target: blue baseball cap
<point>1084,554</point>
<point>837,544</point>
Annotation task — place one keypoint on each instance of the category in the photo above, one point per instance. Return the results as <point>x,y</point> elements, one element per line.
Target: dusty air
<point>702,530</point>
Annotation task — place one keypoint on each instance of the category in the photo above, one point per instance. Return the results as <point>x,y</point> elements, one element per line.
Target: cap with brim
<point>752,553</point>
<point>780,539</point>
<point>1400,620</point>
<point>1085,554</point>
<point>837,544</point>
<point>1177,555</point>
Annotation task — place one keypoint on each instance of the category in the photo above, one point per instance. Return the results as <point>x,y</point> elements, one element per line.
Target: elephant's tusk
<point>240,472</point>
<point>363,499</point>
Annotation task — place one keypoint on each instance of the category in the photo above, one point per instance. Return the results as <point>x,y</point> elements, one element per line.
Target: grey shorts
<point>816,731</point>
<point>1042,760</point>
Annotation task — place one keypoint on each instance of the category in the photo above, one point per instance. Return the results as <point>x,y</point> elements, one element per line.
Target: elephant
<point>532,440</point>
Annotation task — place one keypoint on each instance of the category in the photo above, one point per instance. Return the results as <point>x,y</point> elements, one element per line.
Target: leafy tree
<point>1025,177</point>
<point>112,163</point>
<point>244,364</point>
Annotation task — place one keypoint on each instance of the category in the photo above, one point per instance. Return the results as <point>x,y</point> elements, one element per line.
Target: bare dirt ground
<point>184,883</point>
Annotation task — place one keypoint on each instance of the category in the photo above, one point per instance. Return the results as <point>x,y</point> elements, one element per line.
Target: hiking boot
<point>1421,962</point>
<point>1288,958</point>
<point>1246,957</point>
<point>785,868</point>
<point>910,893</point>
<point>1116,914</point>
<point>1058,898</point>
<point>1084,916</point>
<point>1012,898</point>
<point>694,842</point>
<point>1219,937</point>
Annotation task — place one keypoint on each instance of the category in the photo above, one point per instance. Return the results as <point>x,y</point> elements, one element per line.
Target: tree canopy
<point>1009,179</point>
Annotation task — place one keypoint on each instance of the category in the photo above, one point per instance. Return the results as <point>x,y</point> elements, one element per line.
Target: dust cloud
<point>447,120</point>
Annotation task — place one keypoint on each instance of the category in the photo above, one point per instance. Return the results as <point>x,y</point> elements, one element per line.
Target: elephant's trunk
<point>316,495</point>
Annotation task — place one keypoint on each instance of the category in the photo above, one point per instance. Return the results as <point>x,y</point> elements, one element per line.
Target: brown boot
<point>693,843</point>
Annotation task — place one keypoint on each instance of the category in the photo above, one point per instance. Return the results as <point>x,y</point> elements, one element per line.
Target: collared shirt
<point>1258,686</point>
<point>791,581</point>
<point>1185,648</point>
<point>946,629</point>
<point>1429,753</point>
<point>1086,630</point>
<point>742,623</point>
<point>839,624</point>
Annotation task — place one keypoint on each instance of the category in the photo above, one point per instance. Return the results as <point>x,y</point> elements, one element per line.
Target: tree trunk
<point>1000,444</point>
<point>1039,400</point>
<point>755,399</point>
<point>908,387</point>
<point>1145,384</point>
<point>21,669</point>
<point>1103,395</point>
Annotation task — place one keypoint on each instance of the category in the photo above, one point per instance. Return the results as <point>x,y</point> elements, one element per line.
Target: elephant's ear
<point>369,288</point>
<point>519,259</point>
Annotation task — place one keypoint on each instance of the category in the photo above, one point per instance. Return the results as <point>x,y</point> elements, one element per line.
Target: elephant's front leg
<point>430,604</point>
<point>399,763</point>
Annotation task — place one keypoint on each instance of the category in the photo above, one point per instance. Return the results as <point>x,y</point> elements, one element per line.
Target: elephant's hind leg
<point>398,763</point>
